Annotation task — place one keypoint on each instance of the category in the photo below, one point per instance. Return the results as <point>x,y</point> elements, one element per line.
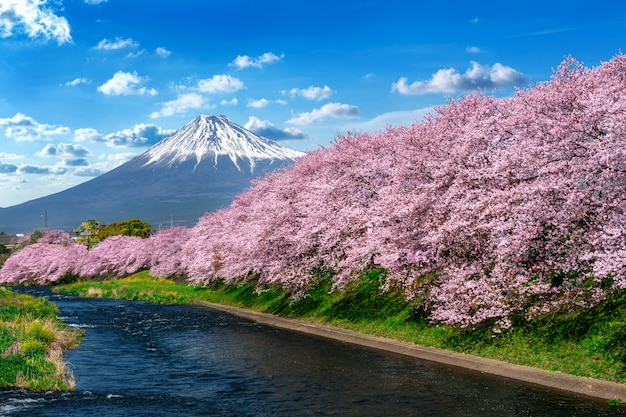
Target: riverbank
<point>585,346</point>
<point>32,341</point>
<point>570,383</point>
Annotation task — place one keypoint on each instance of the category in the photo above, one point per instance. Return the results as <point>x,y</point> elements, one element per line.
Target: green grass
<point>31,343</point>
<point>589,343</point>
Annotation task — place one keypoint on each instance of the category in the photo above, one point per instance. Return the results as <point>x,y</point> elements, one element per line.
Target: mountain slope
<point>199,168</point>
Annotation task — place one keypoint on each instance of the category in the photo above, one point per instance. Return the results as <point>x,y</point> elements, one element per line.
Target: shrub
<point>37,331</point>
<point>33,348</point>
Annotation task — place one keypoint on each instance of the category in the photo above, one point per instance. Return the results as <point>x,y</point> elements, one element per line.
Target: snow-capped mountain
<point>199,168</point>
<point>206,138</point>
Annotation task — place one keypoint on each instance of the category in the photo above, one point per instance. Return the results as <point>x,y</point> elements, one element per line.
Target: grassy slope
<point>588,343</point>
<point>32,342</point>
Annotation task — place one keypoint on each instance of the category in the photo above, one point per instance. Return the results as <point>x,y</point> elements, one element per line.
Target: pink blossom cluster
<point>488,209</point>
<point>118,255</point>
<point>53,256</point>
<point>165,252</point>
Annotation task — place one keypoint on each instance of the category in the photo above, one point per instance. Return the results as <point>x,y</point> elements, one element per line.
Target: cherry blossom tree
<point>53,256</point>
<point>165,252</point>
<point>56,237</point>
<point>117,255</point>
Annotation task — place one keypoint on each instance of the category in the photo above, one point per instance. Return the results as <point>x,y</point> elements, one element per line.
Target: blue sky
<point>87,84</point>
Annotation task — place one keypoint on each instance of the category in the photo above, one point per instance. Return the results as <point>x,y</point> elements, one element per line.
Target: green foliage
<point>615,402</point>
<point>140,286</point>
<point>3,249</point>
<point>35,236</point>
<point>33,372</point>
<point>3,258</point>
<point>6,337</point>
<point>14,306</point>
<point>33,348</point>
<point>131,227</point>
<point>36,331</point>
<point>11,366</point>
<point>68,278</point>
<point>247,295</point>
<point>29,329</point>
<point>364,300</point>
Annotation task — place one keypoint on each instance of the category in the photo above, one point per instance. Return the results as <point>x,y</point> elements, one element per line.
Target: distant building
<point>10,241</point>
<point>87,233</point>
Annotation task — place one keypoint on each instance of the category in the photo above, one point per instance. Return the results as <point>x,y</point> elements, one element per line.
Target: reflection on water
<point>140,359</point>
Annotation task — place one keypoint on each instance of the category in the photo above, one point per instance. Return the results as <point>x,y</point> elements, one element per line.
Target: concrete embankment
<point>574,384</point>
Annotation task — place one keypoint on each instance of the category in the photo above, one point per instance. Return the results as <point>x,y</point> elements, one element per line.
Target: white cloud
<point>542,32</point>
<point>90,171</point>
<point>48,150</point>
<point>12,156</point>
<point>244,61</point>
<point>7,168</point>
<point>75,162</point>
<point>185,102</point>
<point>220,84</point>
<point>23,128</point>
<point>131,55</point>
<point>117,158</point>
<point>313,93</point>
<point>382,121</point>
<point>267,129</point>
<point>258,104</point>
<point>126,83</point>
<point>119,43</point>
<point>263,102</point>
<point>34,19</point>
<point>77,81</point>
<point>473,49</point>
<point>64,150</point>
<point>163,53</point>
<point>107,162</point>
<point>139,135</point>
<point>327,111</point>
<point>33,169</point>
<point>87,135</point>
<point>70,149</point>
<point>449,80</point>
<point>231,102</point>
<point>42,170</point>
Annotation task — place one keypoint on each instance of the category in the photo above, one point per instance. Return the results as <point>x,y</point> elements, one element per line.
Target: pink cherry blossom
<point>42,263</point>
<point>118,255</point>
<point>488,209</point>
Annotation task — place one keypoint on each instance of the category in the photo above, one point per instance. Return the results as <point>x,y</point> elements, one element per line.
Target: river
<point>140,359</point>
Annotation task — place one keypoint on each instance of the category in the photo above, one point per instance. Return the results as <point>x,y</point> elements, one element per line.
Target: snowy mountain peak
<point>208,137</point>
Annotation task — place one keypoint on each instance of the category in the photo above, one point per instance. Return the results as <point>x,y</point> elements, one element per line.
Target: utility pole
<point>45,219</point>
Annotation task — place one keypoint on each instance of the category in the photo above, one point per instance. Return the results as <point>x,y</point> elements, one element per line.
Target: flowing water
<point>140,359</point>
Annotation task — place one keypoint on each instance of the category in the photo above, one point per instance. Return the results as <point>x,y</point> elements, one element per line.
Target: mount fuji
<point>199,168</point>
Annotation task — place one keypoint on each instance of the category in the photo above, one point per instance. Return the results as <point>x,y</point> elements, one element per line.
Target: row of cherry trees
<point>487,209</point>
<point>56,255</point>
